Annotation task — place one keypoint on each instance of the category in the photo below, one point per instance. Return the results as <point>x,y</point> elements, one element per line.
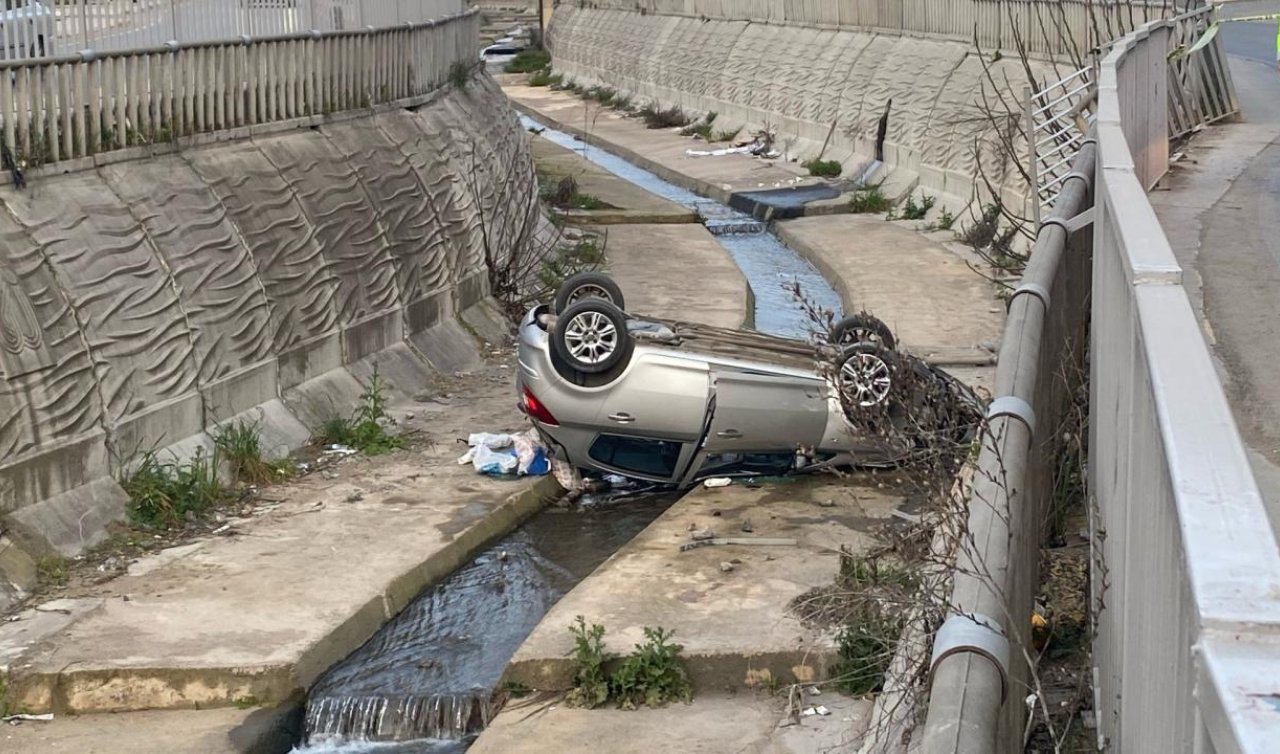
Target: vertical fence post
<point>1033,167</point>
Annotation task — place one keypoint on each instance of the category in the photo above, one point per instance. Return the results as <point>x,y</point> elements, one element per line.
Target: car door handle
<point>622,417</point>
<point>729,434</point>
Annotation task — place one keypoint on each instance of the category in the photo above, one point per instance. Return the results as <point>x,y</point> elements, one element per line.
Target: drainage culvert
<point>766,262</point>
<point>424,683</point>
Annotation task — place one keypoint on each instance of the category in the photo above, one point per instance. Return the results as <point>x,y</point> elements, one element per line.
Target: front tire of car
<point>591,337</point>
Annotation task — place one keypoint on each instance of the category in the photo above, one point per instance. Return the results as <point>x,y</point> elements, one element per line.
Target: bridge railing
<point>32,29</point>
<point>68,107</point>
<point>1186,562</point>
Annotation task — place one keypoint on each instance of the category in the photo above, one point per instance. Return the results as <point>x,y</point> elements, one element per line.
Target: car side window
<point>639,455</point>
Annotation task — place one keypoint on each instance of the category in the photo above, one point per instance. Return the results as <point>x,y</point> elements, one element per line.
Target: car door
<point>757,412</point>
<point>663,396</point>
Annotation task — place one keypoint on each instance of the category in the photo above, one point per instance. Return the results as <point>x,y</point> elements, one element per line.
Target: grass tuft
<point>823,168</point>
<point>869,199</point>
<point>240,446</point>
<point>364,430</point>
<point>528,61</point>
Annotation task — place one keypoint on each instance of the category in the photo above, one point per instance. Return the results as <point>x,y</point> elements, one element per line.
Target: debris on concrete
<point>339,450</point>
<point>747,527</point>
<point>717,482</point>
<point>20,718</point>
<point>726,566</point>
<point>701,535</point>
<point>500,454</point>
<point>818,710</point>
<point>746,541</point>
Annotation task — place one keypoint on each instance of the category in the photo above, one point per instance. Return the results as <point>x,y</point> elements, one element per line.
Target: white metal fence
<point>1042,27</point>
<point>1188,647</point>
<point>75,106</point>
<point>47,28</point>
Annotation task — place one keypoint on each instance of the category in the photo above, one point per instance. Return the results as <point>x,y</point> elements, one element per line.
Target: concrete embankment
<point>813,86</point>
<point>258,274</point>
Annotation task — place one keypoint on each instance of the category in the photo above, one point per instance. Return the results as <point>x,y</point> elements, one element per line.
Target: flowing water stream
<point>423,683</point>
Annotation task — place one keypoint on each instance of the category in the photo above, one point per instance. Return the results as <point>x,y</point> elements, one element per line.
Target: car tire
<point>865,375</point>
<point>587,285</point>
<point>862,328</point>
<point>591,336</point>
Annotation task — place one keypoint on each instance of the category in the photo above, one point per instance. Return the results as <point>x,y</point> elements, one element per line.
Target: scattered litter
<point>339,450</point>
<point>911,518</point>
<point>726,567</point>
<point>718,482</point>
<point>748,541</point>
<point>499,454</point>
<point>827,503</point>
<point>701,535</point>
<point>616,480</point>
<point>15,719</point>
<point>13,619</point>
<point>747,527</point>
<point>692,527</point>
<point>221,529</point>
<point>815,691</point>
<point>818,710</point>
<point>355,497</point>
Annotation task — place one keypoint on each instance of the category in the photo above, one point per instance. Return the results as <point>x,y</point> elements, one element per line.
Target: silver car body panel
<point>716,392</point>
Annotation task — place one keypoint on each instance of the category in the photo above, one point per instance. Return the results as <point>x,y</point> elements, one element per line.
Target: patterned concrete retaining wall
<point>801,80</point>
<point>144,302</point>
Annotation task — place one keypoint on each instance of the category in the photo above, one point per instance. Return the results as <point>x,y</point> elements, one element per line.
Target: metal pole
<point>1033,168</point>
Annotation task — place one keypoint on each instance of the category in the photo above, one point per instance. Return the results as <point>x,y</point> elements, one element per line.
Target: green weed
<point>869,199</point>
<point>590,684</point>
<point>52,570</point>
<point>240,445</point>
<point>823,168</point>
<point>528,61</point>
<point>702,129</point>
<point>541,78</point>
<point>247,702</point>
<point>652,674</point>
<point>602,94</point>
<point>727,135</point>
<point>622,103</point>
<point>913,211</point>
<point>364,430</point>
<point>946,219</point>
<point>555,81</point>
<point>163,494</point>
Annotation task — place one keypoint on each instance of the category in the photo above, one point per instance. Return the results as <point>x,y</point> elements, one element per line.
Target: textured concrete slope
<point>802,81</point>
<point>146,301</point>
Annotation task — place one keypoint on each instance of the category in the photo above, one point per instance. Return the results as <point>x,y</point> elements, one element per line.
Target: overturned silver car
<point>675,403</point>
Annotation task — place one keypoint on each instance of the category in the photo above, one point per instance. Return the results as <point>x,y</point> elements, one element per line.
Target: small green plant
<point>583,255</point>
<point>515,689</point>
<point>52,570</point>
<point>865,650</point>
<point>869,199</point>
<point>823,168</point>
<point>602,94</point>
<point>459,75</point>
<point>541,78</point>
<point>985,229</point>
<point>364,430</point>
<point>528,61</point>
<point>590,685</point>
<point>657,117</point>
<point>240,446</point>
<point>913,211</point>
<point>622,103</point>
<point>247,702</point>
<point>946,220</point>
<point>555,81</point>
<point>652,674</point>
<point>163,494</point>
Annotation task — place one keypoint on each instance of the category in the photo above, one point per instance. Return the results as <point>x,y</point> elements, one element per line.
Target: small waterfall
<point>397,718</point>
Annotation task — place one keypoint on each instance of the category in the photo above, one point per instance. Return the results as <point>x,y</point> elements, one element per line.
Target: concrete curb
<point>90,690</point>
<point>708,672</point>
<point>630,217</point>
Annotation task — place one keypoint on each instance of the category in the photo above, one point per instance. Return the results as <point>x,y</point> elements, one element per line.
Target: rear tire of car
<point>862,328</point>
<point>587,285</point>
<point>591,336</point>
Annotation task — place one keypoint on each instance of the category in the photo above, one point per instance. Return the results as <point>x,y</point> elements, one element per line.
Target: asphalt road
<point>1254,40</point>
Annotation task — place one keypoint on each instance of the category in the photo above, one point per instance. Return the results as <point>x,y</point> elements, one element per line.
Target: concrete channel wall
<point>145,302</point>
<point>811,84</point>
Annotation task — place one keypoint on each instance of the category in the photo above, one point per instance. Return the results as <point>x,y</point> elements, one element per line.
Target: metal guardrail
<point>76,106</point>
<point>1186,571</point>
<point>1045,27</point>
<point>1188,645</point>
<point>33,29</point>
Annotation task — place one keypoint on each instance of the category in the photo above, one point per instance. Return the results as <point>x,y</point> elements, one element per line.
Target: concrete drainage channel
<point>765,261</point>
<point>425,682</point>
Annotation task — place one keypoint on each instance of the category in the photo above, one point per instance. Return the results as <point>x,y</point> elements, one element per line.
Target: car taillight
<point>534,408</point>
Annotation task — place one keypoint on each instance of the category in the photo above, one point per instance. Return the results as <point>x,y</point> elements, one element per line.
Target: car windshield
<point>761,464</point>
<point>637,455</point>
